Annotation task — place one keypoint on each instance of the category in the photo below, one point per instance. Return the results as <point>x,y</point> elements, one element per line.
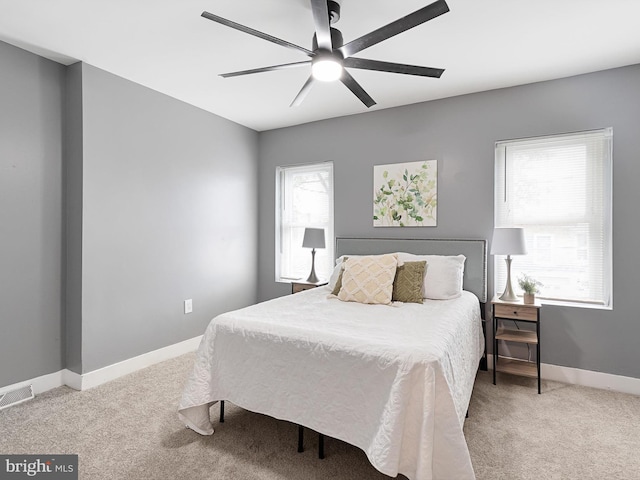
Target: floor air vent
<point>14,397</point>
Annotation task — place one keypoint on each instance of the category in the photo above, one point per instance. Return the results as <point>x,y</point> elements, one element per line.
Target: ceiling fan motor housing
<point>336,40</point>
<point>334,11</point>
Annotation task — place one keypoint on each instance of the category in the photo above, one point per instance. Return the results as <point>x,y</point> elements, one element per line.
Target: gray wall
<point>72,187</point>
<point>169,213</point>
<point>31,104</point>
<point>460,133</point>
<point>117,203</point>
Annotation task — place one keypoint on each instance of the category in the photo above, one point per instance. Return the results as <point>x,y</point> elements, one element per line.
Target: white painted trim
<point>72,379</point>
<point>40,384</point>
<point>586,378</point>
<point>106,374</point>
<point>120,369</point>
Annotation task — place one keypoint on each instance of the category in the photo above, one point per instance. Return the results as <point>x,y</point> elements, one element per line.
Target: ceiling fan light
<point>326,70</point>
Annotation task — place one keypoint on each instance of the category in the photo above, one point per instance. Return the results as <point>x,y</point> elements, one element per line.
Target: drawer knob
<point>515,312</point>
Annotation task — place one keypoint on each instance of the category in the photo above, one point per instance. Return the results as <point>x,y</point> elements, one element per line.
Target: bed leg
<point>321,446</point>
<point>300,439</point>
<point>467,415</point>
<point>483,361</point>
<point>221,411</point>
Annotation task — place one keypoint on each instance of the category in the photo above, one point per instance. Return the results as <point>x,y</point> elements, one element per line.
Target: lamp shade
<point>508,241</point>
<point>313,238</point>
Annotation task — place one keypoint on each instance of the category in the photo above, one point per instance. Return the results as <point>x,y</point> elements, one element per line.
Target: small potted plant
<point>530,287</point>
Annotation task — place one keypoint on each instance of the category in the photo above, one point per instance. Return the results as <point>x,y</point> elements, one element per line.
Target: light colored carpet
<point>128,429</point>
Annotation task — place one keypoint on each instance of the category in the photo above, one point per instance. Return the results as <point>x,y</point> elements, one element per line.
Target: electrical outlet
<point>188,306</point>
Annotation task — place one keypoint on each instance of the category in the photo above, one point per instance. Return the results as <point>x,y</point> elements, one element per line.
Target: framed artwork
<point>405,194</point>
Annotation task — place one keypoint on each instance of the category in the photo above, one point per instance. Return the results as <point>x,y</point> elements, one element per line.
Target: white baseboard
<point>106,374</point>
<point>586,378</point>
<point>40,384</point>
<point>120,369</point>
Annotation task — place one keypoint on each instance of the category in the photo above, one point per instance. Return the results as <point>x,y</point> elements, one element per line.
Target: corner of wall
<point>72,220</point>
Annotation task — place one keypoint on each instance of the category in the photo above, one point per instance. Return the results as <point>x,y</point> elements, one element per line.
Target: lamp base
<point>508,295</point>
<point>312,278</point>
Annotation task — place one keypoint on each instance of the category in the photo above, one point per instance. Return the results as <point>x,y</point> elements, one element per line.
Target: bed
<point>394,380</point>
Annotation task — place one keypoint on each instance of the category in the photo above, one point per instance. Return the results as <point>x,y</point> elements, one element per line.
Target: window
<point>559,190</point>
<point>304,198</point>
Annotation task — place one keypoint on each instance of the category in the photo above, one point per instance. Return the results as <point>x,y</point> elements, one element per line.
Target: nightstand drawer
<point>516,312</point>
<point>301,286</point>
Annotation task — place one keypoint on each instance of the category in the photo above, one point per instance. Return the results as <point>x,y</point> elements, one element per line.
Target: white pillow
<point>368,279</point>
<point>443,275</point>
<point>335,274</point>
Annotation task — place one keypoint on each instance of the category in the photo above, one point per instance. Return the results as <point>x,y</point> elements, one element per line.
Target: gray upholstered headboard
<point>475,267</point>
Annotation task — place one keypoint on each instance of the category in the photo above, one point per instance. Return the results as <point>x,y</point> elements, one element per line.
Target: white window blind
<point>304,199</point>
<point>558,189</point>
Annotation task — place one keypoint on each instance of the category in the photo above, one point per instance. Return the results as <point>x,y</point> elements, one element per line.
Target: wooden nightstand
<point>299,286</point>
<point>506,316</point>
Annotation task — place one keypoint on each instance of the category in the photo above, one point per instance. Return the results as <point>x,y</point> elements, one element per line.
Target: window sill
<point>562,303</point>
<point>288,280</point>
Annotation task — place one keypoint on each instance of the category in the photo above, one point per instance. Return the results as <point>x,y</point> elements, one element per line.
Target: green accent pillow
<point>407,286</point>
<point>338,286</point>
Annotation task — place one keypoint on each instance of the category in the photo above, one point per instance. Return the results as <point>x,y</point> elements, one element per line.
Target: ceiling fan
<point>330,57</point>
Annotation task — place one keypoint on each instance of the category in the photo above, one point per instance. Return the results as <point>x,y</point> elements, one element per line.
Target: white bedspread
<point>394,381</point>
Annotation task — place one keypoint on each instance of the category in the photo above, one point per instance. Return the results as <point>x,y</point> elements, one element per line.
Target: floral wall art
<point>405,194</point>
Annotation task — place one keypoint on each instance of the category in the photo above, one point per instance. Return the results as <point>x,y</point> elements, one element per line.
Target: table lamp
<point>313,238</point>
<point>508,241</point>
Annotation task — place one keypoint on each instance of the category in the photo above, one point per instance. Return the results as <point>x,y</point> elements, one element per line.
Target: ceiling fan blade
<point>366,64</point>
<point>356,89</point>
<point>255,33</point>
<point>394,28</point>
<point>303,92</point>
<point>321,22</point>
<point>266,69</point>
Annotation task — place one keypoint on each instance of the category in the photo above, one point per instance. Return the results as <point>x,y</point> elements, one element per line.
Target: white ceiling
<point>167,46</point>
